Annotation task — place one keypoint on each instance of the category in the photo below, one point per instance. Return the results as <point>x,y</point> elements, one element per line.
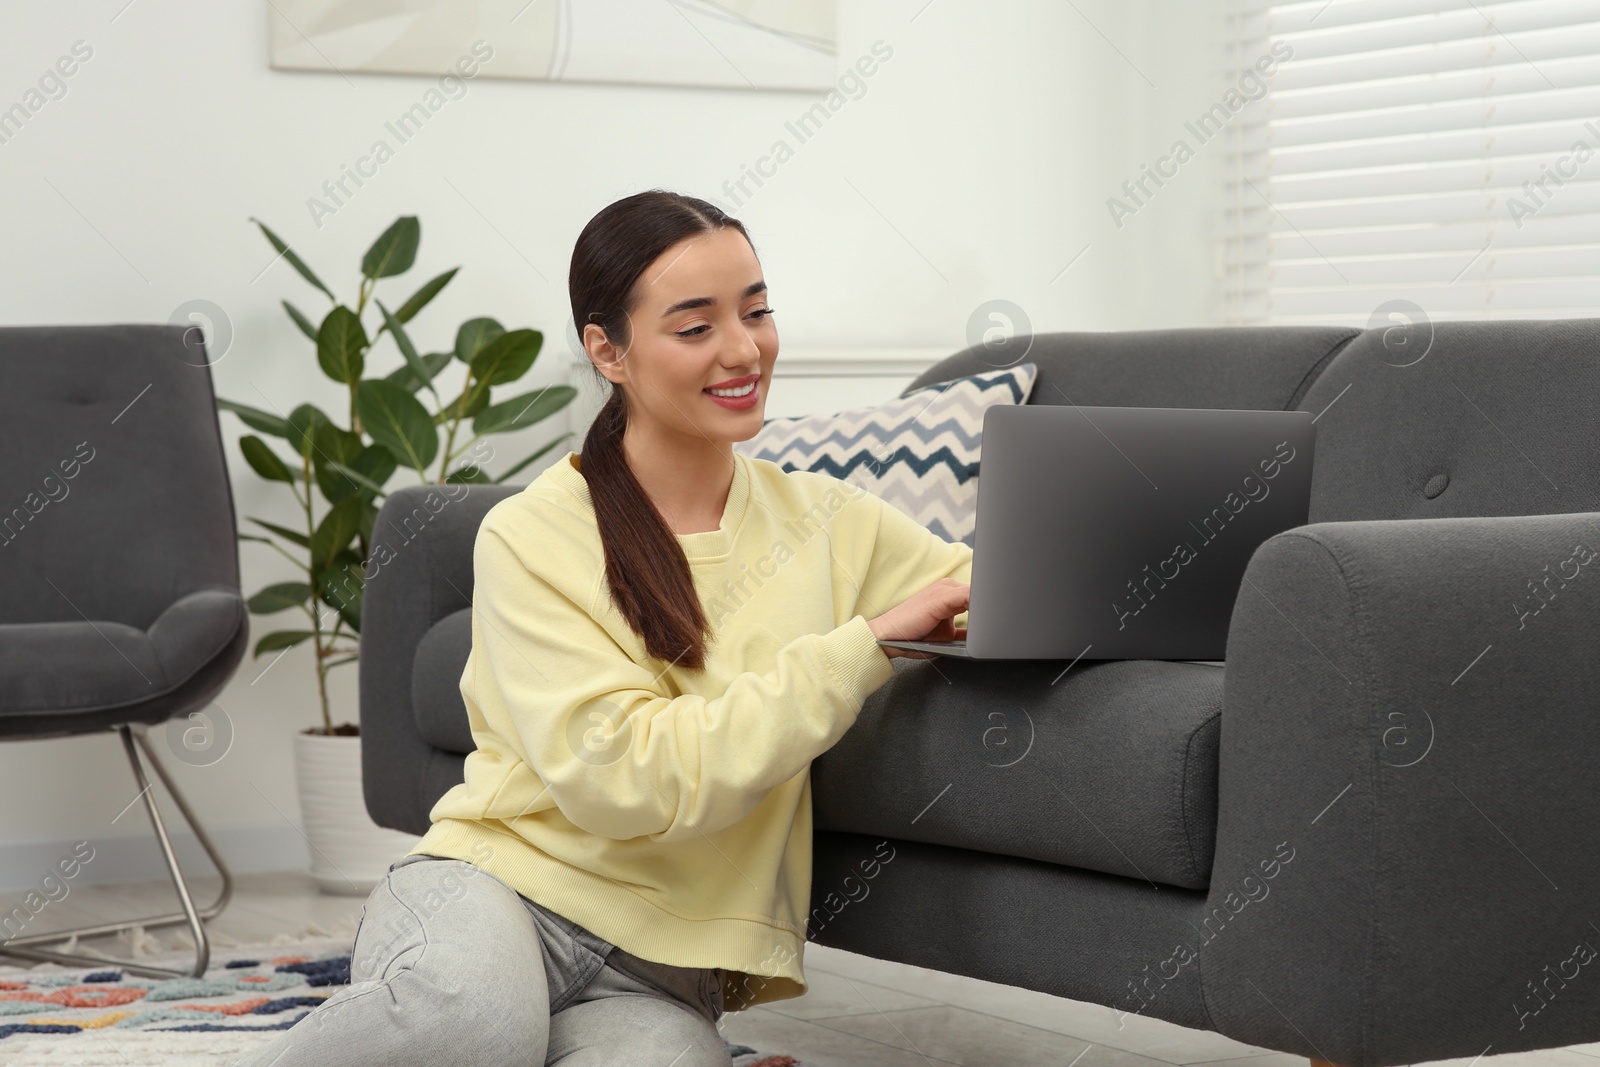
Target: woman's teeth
<point>743,391</point>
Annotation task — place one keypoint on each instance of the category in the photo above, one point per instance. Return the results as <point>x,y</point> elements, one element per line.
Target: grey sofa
<point>1369,838</point>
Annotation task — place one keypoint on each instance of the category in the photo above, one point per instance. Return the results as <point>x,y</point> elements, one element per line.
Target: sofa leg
<point>1322,1063</point>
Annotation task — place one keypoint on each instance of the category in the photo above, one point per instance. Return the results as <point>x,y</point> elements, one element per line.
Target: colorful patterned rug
<point>55,1015</point>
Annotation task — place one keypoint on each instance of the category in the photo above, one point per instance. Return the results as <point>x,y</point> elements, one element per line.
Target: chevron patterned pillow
<point>919,452</point>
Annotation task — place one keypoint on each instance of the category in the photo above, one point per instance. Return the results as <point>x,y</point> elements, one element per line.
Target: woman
<point>665,634</point>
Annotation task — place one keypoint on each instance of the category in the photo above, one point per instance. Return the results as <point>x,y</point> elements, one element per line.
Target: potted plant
<point>337,471</point>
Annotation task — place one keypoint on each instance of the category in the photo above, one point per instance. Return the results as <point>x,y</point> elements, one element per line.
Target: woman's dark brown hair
<point>650,580</point>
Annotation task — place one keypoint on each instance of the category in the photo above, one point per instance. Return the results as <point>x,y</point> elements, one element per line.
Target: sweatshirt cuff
<point>858,664</point>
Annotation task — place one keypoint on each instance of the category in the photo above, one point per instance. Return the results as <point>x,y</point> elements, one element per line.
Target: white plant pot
<point>350,853</point>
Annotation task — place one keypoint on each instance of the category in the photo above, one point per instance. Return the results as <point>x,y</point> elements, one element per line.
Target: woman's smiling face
<point>701,322</point>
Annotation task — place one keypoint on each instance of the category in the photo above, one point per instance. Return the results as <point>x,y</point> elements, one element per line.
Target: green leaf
<point>360,479</point>
<point>284,532</point>
<point>407,349</point>
<point>524,410</point>
<point>395,249</point>
<point>340,341</point>
<point>341,587</point>
<point>377,463</point>
<point>406,378</point>
<point>368,519</point>
<point>300,320</point>
<point>294,260</point>
<point>335,445</point>
<point>281,639</point>
<point>533,457</point>
<point>336,530</point>
<point>507,357</point>
<point>473,335</point>
<point>471,474</point>
<point>397,421</point>
<point>419,299</point>
<point>304,421</point>
<point>279,597</point>
<point>263,460</point>
<point>472,400</point>
<point>257,419</point>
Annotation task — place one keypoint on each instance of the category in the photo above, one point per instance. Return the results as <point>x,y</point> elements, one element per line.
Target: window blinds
<point>1444,152</point>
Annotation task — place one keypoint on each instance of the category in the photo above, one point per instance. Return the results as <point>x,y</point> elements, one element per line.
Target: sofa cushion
<point>1111,766</point>
<point>919,452</point>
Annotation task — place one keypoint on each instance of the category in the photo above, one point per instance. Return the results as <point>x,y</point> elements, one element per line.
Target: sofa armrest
<point>1410,714</point>
<point>418,572</point>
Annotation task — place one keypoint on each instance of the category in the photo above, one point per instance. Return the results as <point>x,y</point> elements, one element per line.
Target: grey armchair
<point>1368,838</point>
<point>119,567</point>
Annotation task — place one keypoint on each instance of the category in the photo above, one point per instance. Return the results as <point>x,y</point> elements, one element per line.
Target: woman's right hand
<point>927,616</point>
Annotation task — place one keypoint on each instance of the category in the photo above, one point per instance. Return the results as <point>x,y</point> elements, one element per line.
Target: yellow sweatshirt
<point>669,810</point>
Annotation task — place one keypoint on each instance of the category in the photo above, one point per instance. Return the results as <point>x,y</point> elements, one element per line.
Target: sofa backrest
<point>1223,367</point>
<point>1453,419</point>
<point>1483,418</point>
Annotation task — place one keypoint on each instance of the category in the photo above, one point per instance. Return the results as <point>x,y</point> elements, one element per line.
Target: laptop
<point>1122,532</point>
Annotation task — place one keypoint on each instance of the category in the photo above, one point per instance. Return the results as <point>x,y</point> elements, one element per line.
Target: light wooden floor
<point>860,1012</point>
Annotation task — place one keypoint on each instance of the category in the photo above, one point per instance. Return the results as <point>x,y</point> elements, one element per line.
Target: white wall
<point>975,166</point>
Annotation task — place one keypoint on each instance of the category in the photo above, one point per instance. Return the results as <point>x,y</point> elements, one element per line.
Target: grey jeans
<point>453,966</point>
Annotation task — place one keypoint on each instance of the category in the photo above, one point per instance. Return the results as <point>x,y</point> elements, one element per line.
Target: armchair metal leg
<point>22,946</point>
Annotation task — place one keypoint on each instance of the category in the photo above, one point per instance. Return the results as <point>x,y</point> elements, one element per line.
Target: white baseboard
<point>245,848</point>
